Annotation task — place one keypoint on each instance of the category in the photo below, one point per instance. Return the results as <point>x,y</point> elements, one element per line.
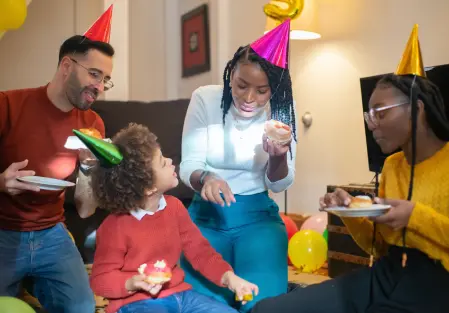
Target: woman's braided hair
<point>281,102</point>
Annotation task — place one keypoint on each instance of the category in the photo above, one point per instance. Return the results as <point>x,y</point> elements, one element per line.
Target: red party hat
<point>101,29</point>
<point>273,46</point>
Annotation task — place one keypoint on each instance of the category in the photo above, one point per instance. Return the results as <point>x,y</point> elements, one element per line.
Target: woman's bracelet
<point>203,176</point>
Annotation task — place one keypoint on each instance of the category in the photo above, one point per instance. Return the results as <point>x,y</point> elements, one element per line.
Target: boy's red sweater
<point>124,243</point>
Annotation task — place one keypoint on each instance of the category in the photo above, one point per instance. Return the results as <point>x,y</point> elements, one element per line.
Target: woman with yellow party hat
<point>411,241</point>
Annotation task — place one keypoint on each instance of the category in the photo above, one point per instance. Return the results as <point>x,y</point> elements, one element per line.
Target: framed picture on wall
<point>195,41</point>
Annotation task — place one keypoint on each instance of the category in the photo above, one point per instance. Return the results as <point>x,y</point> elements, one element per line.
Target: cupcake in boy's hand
<point>157,273</point>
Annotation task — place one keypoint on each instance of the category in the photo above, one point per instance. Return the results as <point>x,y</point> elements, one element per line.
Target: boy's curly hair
<point>121,188</point>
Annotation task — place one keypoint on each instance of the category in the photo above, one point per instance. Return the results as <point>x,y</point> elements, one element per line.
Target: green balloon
<point>14,305</point>
<point>326,235</point>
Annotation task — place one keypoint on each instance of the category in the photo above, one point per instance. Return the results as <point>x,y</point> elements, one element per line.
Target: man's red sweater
<point>31,127</point>
<point>124,243</point>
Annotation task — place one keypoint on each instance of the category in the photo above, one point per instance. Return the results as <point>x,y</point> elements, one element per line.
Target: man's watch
<point>203,176</point>
<point>86,169</point>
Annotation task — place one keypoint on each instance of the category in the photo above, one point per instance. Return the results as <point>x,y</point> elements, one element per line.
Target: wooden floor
<point>297,277</point>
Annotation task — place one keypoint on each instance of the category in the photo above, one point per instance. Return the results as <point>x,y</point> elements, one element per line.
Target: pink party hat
<point>101,29</point>
<point>273,46</point>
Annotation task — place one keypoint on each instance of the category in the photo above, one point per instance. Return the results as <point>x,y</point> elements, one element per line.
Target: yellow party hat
<point>411,62</point>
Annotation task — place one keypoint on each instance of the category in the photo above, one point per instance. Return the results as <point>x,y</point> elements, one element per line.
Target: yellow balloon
<point>307,250</point>
<point>12,14</point>
<point>275,10</point>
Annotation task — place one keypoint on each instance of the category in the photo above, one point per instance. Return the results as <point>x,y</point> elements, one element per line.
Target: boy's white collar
<point>139,213</point>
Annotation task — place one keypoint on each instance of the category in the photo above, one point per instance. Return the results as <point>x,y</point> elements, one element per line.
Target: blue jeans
<point>183,302</point>
<point>251,236</point>
<point>51,258</point>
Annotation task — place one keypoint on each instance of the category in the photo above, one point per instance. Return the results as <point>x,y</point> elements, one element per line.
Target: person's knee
<point>277,304</point>
<point>77,305</point>
<point>87,305</point>
<point>263,306</point>
<point>251,248</point>
<point>248,307</point>
<point>74,300</point>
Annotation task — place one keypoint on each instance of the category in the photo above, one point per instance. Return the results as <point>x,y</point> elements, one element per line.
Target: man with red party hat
<point>35,124</point>
<point>232,164</point>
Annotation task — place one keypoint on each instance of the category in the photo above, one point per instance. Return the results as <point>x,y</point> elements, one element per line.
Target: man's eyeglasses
<point>372,116</point>
<point>97,75</point>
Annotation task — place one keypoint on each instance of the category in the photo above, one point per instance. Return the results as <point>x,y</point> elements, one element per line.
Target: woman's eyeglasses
<point>372,116</point>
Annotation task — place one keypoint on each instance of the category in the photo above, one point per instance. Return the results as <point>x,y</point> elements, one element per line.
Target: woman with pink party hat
<point>239,141</point>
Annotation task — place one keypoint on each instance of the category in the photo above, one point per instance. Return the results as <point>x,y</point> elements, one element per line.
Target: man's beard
<point>75,94</point>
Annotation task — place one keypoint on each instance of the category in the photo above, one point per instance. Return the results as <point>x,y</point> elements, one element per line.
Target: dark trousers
<point>421,287</point>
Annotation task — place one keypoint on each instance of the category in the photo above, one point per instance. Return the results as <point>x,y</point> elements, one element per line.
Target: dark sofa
<point>165,119</point>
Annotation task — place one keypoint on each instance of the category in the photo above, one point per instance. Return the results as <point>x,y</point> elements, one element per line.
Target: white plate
<point>74,143</point>
<point>372,211</point>
<point>46,183</point>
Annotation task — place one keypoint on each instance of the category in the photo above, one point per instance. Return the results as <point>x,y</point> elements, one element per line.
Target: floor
<point>297,277</point>
<point>294,276</point>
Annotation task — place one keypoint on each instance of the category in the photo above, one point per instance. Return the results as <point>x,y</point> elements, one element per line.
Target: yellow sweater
<point>428,228</point>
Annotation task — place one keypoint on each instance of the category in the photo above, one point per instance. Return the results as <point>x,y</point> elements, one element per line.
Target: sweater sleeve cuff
<point>218,272</point>
<point>282,184</point>
<point>186,169</point>
<point>419,213</point>
<point>116,290</point>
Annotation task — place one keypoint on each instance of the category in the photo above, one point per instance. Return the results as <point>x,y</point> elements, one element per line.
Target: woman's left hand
<point>274,149</point>
<point>399,214</point>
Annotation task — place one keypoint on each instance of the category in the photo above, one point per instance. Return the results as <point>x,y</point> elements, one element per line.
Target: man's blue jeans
<point>51,258</point>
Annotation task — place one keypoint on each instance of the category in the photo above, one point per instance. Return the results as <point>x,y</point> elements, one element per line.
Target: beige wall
<point>120,40</point>
<point>147,50</point>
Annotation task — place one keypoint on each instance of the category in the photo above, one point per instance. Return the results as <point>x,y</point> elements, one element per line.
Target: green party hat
<point>107,153</point>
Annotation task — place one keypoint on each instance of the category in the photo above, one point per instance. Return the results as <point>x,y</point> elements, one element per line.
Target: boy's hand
<point>239,286</point>
<point>138,282</point>
<point>155,289</point>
